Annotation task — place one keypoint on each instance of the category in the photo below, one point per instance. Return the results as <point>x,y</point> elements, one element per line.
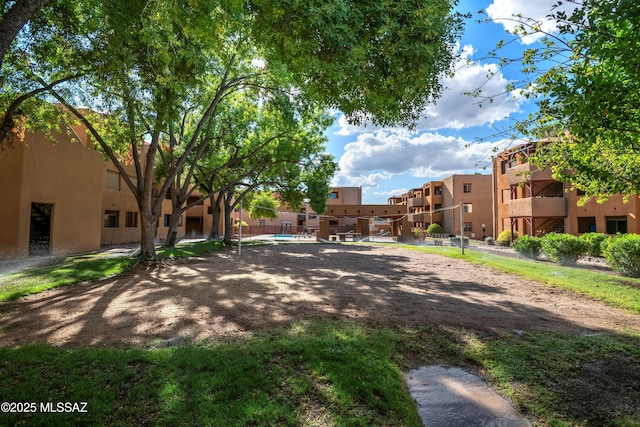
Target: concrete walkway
<point>451,397</point>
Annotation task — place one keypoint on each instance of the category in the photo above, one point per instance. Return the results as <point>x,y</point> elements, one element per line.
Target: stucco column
<point>363,226</point>
<point>323,231</point>
<point>407,234</point>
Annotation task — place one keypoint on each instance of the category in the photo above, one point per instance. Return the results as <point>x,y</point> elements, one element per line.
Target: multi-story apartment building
<point>438,202</point>
<point>63,197</point>
<point>530,201</point>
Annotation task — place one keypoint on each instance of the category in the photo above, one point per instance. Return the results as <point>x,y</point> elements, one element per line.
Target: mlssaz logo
<point>63,407</point>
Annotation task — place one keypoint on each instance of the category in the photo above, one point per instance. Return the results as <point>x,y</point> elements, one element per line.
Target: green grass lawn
<point>86,268</point>
<point>328,372</point>
<point>617,291</point>
<point>315,373</point>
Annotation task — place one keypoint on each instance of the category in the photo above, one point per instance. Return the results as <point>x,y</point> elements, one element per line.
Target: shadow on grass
<point>69,272</point>
<point>313,373</point>
<point>566,380</point>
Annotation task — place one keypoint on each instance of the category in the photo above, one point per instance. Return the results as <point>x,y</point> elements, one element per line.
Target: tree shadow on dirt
<point>270,287</point>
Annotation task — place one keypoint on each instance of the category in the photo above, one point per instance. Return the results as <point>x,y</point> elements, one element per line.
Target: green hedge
<point>435,228</point>
<point>594,242</point>
<point>564,249</point>
<point>623,254</point>
<point>504,238</point>
<point>528,246</point>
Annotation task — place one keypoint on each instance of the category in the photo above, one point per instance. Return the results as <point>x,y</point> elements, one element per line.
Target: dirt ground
<point>224,295</point>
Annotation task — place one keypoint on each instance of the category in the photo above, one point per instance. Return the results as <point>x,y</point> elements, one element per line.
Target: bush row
<point>621,252</point>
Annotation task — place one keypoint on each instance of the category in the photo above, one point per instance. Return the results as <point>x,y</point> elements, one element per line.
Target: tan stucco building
<point>438,202</point>
<point>531,202</point>
<point>51,196</point>
<point>63,197</point>
<point>290,221</point>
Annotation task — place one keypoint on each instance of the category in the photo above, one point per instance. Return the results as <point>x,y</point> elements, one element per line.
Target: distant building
<point>530,201</point>
<point>294,222</point>
<point>438,202</point>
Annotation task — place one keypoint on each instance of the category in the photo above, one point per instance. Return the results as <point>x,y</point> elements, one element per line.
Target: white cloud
<point>374,157</point>
<point>370,180</point>
<point>510,13</point>
<point>391,193</point>
<point>455,109</point>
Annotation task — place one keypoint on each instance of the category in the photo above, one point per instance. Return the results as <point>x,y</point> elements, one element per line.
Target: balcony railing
<point>538,207</point>
<point>435,217</point>
<point>527,172</point>
<point>415,201</point>
<point>416,217</point>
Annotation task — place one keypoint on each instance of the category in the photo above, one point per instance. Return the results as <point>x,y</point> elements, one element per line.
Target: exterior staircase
<point>551,225</point>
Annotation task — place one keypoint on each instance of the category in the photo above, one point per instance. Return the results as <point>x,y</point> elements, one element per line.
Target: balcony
<point>538,207</point>
<point>435,199</point>
<point>435,217</point>
<point>415,201</point>
<point>527,172</point>
<point>416,217</point>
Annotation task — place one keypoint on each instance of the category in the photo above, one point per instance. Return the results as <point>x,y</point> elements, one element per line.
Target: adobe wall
<point>66,175</point>
<point>12,244</point>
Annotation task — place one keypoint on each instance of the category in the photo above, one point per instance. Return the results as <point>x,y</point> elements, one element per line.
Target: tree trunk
<point>174,223</point>
<point>216,215</point>
<point>148,237</point>
<point>13,21</point>
<point>227,219</point>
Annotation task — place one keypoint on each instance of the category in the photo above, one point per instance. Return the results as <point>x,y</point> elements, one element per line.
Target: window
<point>131,219</point>
<point>262,223</point>
<point>616,225</point>
<point>167,220</point>
<point>437,207</point>
<point>437,191</point>
<point>468,226</point>
<point>586,224</point>
<point>333,195</point>
<point>467,207</point>
<point>113,181</point>
<point>580,192</point>
<point>209,210</point>
<point>466,188</point>
<point>111,219</point>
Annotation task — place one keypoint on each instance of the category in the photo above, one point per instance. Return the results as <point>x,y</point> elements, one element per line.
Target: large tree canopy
<point>376,60</point>
<point>594,101</point>
<point>140,66</point>
<point>587,84</point>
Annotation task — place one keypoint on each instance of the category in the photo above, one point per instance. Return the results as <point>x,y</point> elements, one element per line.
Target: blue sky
<point>390,161</point>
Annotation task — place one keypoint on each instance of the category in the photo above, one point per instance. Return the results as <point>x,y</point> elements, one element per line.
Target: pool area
<point>278,237</point>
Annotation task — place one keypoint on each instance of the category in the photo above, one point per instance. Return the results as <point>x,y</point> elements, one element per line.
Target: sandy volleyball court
<point>225,295</point>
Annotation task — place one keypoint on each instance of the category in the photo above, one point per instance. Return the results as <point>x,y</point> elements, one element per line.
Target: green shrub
<point>594,242</point>
<point>623,254</point>
<point>528,246</point>
<point>564,249</point>
<point>504,238</point>
<point>435,228</point>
